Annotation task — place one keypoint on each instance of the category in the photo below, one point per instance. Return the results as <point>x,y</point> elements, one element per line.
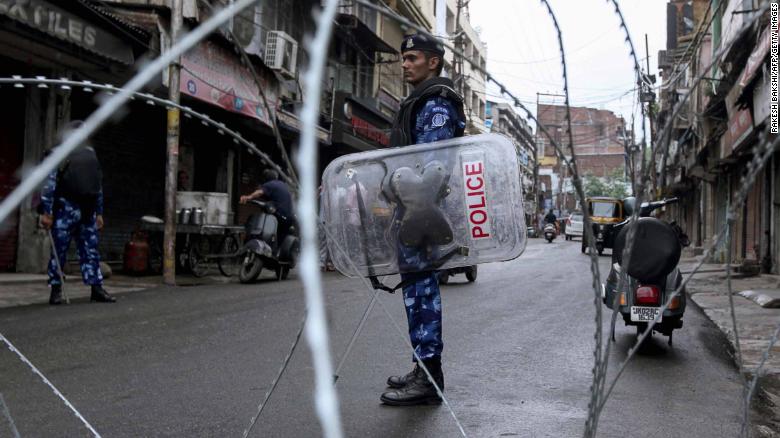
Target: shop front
<point>52,40</point>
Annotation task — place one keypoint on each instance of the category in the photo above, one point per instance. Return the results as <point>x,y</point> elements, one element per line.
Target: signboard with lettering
<point>213,74</point>
<point>64,25</point>
<point>357,125</point>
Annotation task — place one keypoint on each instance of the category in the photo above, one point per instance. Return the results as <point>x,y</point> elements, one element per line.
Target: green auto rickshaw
<point>605,213</point>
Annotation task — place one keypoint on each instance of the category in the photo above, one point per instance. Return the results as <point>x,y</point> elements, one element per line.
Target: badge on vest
<point>439,120</point>
<point>441,205</point>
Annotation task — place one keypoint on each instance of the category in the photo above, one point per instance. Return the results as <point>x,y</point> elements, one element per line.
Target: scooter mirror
<point>629,205</point>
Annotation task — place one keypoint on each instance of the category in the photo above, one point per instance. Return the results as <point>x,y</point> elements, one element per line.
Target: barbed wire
<point>325,398</point>
<point>601,366</point>
<point>48,383</point>
<point>403,335</point>
<point>701,32</point>
<point>7,415</point>
<point>89,86</point>
<point>278,376</point>
<point>108,108</point>
<point>762,152</point>
<point>256,78</point>
<point>754,382</point>
<point>588,223</point>
<point>666,134</point>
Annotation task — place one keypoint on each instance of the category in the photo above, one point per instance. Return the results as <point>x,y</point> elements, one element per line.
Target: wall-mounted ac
<point>281,53</point>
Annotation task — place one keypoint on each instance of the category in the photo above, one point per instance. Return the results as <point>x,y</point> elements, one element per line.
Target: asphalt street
<point>196,361</point>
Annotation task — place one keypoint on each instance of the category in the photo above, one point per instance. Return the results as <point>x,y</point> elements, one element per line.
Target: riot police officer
<point>432,112</point>
<point>72,206</point>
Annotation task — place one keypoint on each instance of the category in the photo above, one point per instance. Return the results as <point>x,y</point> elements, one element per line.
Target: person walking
<point>72,206</point>
<point>432,112</point>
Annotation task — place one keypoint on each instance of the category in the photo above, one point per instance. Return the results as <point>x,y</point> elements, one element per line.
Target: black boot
<point>418,389</point>
<point>398,382</point>
<point>100,295</point>
<point>55,299</point>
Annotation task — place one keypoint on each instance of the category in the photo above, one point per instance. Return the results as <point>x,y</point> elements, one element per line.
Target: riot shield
<point>426,207</point>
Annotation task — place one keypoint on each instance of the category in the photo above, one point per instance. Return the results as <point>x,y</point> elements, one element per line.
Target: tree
<point>613,186</point>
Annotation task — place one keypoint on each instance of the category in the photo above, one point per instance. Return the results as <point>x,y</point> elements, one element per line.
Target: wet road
<point>196,361</point>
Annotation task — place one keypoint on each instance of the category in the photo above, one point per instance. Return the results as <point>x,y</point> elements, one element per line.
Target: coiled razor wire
<point>601,363</point>
<point>666,135</point>
<point>89,86</point>
<point>594,263</point>
<point>112,104</point>
<point>256,78</point>
<point>756,374</point>
<point>51,386</point>
<point>404,335</point>
<point>306,161</point>
<point>326,403</point>
<point>7,415</point>
<point>762,152</point>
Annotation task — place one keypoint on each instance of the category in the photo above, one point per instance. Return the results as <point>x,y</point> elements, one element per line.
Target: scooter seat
<point>656,249</point>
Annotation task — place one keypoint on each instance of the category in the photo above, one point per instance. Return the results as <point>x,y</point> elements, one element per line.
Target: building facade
<point>600,142</point>
<point>713,135</point>
<point>453,23</point>
<point>503,119</point>
<point>101,41</point>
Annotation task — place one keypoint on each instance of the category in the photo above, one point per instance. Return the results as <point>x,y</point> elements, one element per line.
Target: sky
<point>523,54</point>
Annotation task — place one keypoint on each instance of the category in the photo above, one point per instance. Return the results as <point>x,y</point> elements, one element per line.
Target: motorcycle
<point>652,275</point>
<point>550,232</point>
<point>261,248</point>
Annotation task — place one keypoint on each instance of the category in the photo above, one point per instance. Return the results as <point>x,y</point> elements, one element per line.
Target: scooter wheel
<point>471,274</point>
<point>250,269</point>
<point>444,277</point>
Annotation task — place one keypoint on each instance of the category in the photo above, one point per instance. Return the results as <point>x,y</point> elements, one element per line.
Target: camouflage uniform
<point>68,221</point>
<point>436,120</point>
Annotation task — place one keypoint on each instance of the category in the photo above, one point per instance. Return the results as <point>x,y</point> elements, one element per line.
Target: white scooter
<point>550,232</point>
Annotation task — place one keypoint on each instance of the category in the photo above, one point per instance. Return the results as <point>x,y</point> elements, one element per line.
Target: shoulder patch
<point>439,120</point>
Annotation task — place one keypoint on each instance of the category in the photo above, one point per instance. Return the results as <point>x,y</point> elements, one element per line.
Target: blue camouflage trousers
<point>68,224</point>
<point>422,300</point>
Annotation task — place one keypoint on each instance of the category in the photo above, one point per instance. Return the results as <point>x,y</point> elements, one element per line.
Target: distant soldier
<point>72,206</point>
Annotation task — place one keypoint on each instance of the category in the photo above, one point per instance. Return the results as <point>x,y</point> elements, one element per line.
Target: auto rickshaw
<point>605,213</point>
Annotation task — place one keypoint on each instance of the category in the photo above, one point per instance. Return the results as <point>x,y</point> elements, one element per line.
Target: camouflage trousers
<point>422,300</point>
<point>67,225</point>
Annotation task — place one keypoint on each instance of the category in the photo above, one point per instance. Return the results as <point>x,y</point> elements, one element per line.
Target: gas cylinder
<point>136,260</point>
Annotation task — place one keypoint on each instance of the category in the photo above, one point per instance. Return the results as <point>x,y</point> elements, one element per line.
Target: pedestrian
<point>432,112</point>
<point>72,206</point>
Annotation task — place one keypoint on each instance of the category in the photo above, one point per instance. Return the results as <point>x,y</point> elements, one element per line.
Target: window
<point>482,109</point>
<point>604,209</point>
<point>368,17</point>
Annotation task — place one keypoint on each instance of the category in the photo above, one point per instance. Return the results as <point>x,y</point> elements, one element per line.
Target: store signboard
<point>213,74</point>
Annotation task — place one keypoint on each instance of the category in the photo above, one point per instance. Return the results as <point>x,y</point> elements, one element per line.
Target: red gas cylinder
<point>136,260</point>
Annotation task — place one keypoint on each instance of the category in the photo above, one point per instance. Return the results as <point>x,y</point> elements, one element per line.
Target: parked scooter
<point>652,274</point>
<point>261,248</point>
<point>550,232</point>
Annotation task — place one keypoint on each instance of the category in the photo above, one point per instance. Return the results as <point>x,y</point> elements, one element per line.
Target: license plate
<point>645,314</point>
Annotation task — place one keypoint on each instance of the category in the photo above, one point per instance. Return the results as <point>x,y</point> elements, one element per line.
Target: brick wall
<point>600,165</point>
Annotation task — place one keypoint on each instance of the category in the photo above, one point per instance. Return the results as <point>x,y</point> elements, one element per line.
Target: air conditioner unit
<point>281,53</point>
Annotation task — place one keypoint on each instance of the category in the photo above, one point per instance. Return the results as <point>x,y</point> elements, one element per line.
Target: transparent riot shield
<point>418,208</point>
